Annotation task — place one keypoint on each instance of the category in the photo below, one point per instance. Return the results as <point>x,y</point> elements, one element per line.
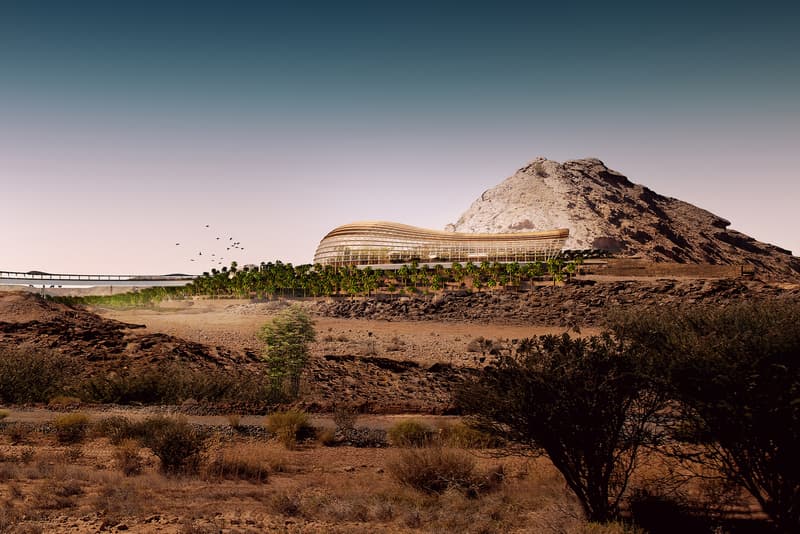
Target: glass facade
<point>380,243</point>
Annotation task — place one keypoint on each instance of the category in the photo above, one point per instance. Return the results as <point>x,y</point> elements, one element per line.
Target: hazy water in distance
<point>48,283</point>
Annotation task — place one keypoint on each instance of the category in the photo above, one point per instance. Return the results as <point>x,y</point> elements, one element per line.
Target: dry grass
<point>58,493</point>
<point>248,461</point>
<point>435,470</point>
<point>128,457</point>
<point>326,436</point>
<point>321,489</point>
<point>290,427</point>
<point>18,433</point>
<point>235,422</point>
<point>411,433</point>
<point>71,428</point>
<point>462,436</point>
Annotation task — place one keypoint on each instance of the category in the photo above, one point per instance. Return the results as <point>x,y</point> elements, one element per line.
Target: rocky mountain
<point>605,210</point>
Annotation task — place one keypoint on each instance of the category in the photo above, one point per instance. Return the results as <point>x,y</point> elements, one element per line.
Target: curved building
<point>379,243</point>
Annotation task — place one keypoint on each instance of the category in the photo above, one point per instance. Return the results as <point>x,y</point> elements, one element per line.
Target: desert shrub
<point>290,427</point>
<point>735,373</point>
<point>28,376</point>
<point>327,436</point>
<point>57,494</point>
<point>235,422</point>
<point>484,345</point>
<point>118,498</point>
<point>175,442</point>
<point>174,384</point>
<point>128,457</point>
<point>411,433</point>
<point>436,469</point>
<point>285,503</point>
<point>243,463</point>
<point>63,402</point>
<point>589,403</point>
<point>116,428</point>
<point>73,454</point>
<point>344,417</point>
<point>17,432</point>
<point>71,428</point>
<point>462,436</point>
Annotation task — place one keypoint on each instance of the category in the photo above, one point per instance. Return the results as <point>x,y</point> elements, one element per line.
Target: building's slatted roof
<point>413,232</point>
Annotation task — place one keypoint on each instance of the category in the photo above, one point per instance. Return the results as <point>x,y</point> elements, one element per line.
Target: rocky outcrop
<point>100,347</point>
<point>603,209</point>
<point>586,303</point>
<point>104,345</point>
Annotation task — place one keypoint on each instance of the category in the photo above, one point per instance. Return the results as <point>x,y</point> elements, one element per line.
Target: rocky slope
<point>603,209</point>
<point>95,346</point>
<point>586,303</point>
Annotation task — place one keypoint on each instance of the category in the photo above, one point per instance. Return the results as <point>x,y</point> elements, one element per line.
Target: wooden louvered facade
<point>378,243</point>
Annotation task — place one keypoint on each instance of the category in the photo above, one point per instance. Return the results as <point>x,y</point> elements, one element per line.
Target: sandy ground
<point>235,323</point>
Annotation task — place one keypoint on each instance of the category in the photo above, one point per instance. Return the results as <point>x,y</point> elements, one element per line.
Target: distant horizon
<point>310,254</point>
<point>129,127</point>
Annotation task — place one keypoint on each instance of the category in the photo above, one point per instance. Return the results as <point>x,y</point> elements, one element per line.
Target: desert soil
<point>49,487</point>
<point>395,368</point>
<point>235,324</point>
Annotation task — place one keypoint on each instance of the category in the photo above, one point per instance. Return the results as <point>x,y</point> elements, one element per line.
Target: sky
<point>128,126</point>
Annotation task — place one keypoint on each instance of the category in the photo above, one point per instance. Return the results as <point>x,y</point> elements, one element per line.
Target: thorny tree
<point>586,402</point>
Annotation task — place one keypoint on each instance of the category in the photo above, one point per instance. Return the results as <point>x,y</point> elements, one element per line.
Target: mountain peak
<point>603,209</point>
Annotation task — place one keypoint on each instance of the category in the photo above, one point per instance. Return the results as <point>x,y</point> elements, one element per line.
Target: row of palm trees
<point>287,280</point>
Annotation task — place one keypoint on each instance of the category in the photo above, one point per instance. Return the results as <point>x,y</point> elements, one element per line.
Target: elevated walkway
<point>35,276</point>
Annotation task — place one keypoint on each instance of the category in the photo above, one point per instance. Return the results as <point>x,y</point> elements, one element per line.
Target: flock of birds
<point>211,257</point>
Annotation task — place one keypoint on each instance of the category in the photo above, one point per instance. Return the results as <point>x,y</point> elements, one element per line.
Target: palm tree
<point>555,269</point>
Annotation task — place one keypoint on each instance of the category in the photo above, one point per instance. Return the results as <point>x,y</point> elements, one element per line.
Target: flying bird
<point>206,226</point>
<point>176,244</point>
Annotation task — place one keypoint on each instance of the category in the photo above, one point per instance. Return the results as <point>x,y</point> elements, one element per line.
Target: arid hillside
<point>603,209</point>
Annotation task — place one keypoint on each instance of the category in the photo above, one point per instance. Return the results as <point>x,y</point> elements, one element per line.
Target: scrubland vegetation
<point>713,389</point>
<point>682,416</point>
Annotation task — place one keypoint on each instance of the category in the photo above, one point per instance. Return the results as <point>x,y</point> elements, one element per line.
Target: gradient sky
<point>127,126</point>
